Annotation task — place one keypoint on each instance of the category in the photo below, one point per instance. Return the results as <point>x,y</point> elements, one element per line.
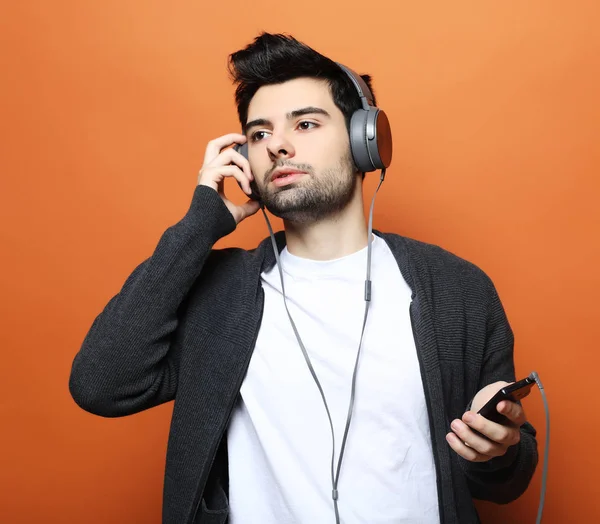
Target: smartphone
<point>512,392</point>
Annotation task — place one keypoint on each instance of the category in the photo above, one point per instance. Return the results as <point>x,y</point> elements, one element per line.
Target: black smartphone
<point>512,392</point>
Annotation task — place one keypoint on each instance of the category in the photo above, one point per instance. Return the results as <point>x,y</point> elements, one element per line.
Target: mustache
<point>306,168</point>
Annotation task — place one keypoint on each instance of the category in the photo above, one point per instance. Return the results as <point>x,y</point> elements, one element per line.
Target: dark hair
<point>277,58</point>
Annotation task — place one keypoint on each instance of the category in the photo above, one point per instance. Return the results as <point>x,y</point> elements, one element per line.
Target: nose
<point>279,147</point>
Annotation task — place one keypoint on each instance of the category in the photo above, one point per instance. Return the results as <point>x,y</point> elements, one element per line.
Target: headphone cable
<point>536,377</point>
<point>334,477</point>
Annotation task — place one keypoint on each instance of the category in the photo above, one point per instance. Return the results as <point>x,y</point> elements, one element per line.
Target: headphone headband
<point>362,89</point>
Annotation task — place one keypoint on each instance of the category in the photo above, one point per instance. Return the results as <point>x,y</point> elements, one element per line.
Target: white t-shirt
<point>279,439</point>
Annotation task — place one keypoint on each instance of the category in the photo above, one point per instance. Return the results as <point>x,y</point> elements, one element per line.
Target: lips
<point>286,172</point>
<point>286,177</point>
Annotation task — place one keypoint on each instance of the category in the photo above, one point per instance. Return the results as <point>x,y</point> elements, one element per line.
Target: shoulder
<point>435,265</point>
<point>228,258</point>
<point>245,262</point>
<point>242,262</point>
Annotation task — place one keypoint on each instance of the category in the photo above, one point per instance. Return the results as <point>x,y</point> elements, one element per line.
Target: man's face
<point>299,150</point>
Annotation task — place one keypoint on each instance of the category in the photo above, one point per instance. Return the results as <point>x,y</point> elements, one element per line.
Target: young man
<point>265,400</point>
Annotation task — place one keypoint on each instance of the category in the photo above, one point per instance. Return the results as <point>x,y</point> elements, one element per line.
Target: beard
<point>316,196</point>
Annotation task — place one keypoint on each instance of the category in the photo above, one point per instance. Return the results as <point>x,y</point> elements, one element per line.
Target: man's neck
<point>330,238</point>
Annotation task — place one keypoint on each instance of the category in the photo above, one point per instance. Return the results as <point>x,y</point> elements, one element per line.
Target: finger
<point>464,451</point>
<point>497,433</point>
<point>512,411</point>
<point>482,445</point>
<point>218,174</point>
<point>214,147</point>
<point>231,156</point>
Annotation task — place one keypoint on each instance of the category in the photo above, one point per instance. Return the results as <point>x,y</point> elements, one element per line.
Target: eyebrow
<point>310,110</point>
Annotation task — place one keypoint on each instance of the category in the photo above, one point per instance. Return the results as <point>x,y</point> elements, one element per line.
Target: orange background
<point>106,111</point>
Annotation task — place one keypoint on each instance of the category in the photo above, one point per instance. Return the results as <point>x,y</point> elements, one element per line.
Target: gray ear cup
<point>370,132</point>
<point>358,141</point>
<point>370,139</point>
<point>243,150</point>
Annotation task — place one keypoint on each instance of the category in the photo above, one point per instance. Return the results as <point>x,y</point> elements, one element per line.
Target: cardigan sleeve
<point>129,359</point>
<point>501,479</point>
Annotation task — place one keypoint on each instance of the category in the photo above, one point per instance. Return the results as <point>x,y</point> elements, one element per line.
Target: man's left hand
<point>475,448</point>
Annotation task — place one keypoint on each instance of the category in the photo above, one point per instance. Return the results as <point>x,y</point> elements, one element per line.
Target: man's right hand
<point>219,164</point>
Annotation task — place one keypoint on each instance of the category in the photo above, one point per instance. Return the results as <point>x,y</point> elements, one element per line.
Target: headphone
<point>370,133</point>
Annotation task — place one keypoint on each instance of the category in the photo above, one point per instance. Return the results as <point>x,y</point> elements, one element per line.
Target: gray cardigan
<point>184,325</point>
